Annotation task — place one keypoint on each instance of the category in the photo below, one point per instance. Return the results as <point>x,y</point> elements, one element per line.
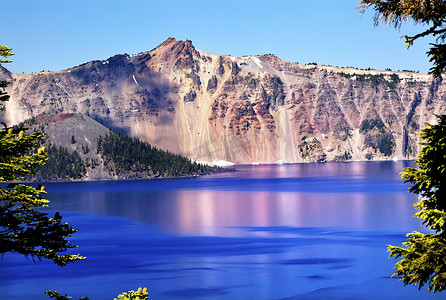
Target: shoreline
<point>36,179</point>
<point>229,169</point>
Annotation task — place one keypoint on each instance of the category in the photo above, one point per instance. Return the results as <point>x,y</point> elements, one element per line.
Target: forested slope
<point>79,148</point>
<point>122,154</point>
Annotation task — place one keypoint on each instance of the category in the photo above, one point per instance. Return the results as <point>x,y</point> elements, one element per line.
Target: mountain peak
<point>171,43</point>
<point>241,109</point>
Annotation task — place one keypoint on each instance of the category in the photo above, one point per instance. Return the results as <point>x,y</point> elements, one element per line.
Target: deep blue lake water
<point>301,231</point>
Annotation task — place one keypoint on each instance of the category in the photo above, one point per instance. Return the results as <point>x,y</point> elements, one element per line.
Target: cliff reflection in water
<point>315,231</point>
<point>355,195</point>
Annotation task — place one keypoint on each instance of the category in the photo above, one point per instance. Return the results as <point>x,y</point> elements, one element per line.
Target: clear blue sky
<point>59,34</point>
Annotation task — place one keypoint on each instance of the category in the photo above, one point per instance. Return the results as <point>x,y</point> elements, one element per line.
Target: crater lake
<point>291,231</point>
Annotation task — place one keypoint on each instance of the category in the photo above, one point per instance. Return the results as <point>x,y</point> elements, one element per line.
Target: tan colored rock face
<point>244,110</point>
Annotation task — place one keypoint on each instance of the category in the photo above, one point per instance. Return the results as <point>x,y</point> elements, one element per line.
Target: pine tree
<point>131,155</point>
<point>23,228</point>
<point>424,255</point>
<point>5,52</point>
<point>431,13</point>
<point>140,294</point>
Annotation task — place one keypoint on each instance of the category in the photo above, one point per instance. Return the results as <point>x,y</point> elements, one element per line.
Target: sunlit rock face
<point>241,109</point>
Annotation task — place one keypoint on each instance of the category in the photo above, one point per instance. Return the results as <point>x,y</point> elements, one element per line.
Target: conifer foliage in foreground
<point>140,294</point>
<point>23,228</point>
<point>424,255</point>
<point>429,13</point>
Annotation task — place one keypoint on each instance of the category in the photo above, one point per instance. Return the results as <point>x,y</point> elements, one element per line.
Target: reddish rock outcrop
<point>240,109</point>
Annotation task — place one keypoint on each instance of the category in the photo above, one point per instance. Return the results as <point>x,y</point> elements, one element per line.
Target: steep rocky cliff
<point>241,109</point>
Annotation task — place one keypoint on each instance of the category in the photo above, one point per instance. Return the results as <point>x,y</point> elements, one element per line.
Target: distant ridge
<point>212,107</point>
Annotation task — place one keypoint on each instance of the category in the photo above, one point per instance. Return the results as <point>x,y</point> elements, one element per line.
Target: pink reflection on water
<point>220,213</point>
<point>210,211</point>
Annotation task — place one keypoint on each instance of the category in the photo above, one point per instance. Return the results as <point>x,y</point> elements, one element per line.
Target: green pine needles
<point>56,295</point>
<point>5,52</point>
<point>424,255</point>
<point>140,294</point>
<point>429,13</point>
<point>23,228</point>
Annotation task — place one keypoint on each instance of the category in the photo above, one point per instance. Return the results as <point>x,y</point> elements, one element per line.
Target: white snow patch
<point>220,163</point>
<point>134,79</point>
<point>105,62</point>
<point>257,62</point>
<point>69,71</point>
<point>232,58</point>
<point>156,50</point>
